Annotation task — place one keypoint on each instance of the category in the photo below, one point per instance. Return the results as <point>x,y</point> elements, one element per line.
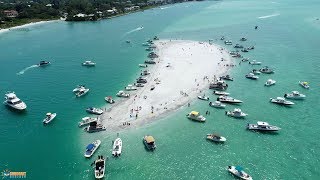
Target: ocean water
<point>287,40</point>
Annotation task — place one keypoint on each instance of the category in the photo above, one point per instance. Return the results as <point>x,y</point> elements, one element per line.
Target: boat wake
<point>269,16</point>
<point>134,30</point>
<point>26,69</point>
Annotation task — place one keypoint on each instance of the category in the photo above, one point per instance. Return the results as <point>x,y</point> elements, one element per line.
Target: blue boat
<point>91,148</point>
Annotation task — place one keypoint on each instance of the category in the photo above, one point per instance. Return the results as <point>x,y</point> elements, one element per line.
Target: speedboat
<point>281,101</point>
<point>255,72</point>
<point>238,171</point>
<point>149,62</point>
<point>139,85</point>
<point>244,50</point>
<point>227,99</point>
<point>238,46</point>
<point>194,115</point>
<point>82,92</point>
<point>78,88</point>
<point>14,102</point>
<point>49,118</point>
<point>99,167</point>
<point>117,147</point>
<point>142,80</point>
<point>222,93</point>
<point>43,63</point>
<point>243,39</point>
<point>254,62</point>
<point>237,113</point>
<point>218,85</point>
<point>93,110</point>
<point>262,126</point>
<point>204,97</point>
<point>216,138</point>
<point>252,76</point>
<point>86,121</point>
<point>226,77</point>
<point>109,99</point>
<point>149,142</point>
<point>270,82</point>
<point>95,127</point>
<point>217,104</point>
<point>88,63</point>
<point>266,70</point>
<point>145,73</point>
<point>304,84</point>
<point>130,87</point>
<point>143,65</point>
<point>294,95</point>
<point>245,59</point>
<point>228,42</point>
<point>238,55</point>
<point>91,148</point>
<point>123,94</point>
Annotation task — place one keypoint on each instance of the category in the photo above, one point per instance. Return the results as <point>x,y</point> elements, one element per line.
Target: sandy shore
<point>193,66</point>
<point>26,26</point>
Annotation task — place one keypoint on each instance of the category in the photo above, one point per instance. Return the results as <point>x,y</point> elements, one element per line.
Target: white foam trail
<point>134,30</point>
<point>164,7</point>
<point>269,16</point>
<point>26,69</point>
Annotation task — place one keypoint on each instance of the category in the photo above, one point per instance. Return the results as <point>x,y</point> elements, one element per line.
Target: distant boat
<point>88,63</point>
<point>217,104</point>
<point>295,95</point>
<point>304,84</point>
<point>91,148</point>
<point>262,126</point>
<point>149,142</point>
<point>243,39</point>
<point>78,88</point>
<point>270,82</point>
<point>99,167</point>
<point>236,113</point>
<point>266,70</point>
<point>238,171</point>
<point>238,46</point>
<point>95,127</point>
<point>194,115</point>
<point>226,77</point>
<point>206,98</point>
<point>86,121</point>
<point>143,65</point>
<point>123,94</point>
<point>227,99</point>
<point>14,102</point>
<point>281,101</point>
<point>49,118</point>
<point>43,63</point>
<point>254,62</point>
<point>117,147</point>
<point>228,42</point>
<point>131,87</point>
<point>109,99</point>
<point>251,76</point>
<point>82,92</point>
<point>222,93</point>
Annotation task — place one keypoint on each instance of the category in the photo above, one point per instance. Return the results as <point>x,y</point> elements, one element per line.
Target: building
<point>10,13</point>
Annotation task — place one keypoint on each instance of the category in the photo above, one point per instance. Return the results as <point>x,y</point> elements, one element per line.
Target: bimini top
<point>260,123</point>
<point>149,139</point>
<point>90,146</point>
<point>48,114</point>
<point>305,83</point>
<point>195,113</point>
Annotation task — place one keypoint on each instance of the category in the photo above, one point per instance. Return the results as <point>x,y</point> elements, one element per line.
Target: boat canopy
<point>90,146</point>
<point>149,139</point>
<point>195,113</point>
<point>305,83</point>
<point>48,114</point>
<point>260,123</point>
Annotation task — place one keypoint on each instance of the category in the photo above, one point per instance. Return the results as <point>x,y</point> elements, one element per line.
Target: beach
<point>182,72</point>
<point>26,26</point>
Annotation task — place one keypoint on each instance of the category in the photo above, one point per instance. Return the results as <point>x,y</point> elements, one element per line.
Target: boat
<point>93,110</point>
<point>142,80</point>
<point>149,142</point>
<point>255,72</point>
<point>252,76</point>
<point>149,49</point>
<point>281,101</point>
<point>139,85</point>
<point>304,84</point>
<point>238,172</point>
<point>128,41</point>
<point>91,148</point>
<point>146,44</point>
<point>99,167</point>
<point>218,85</point>
<point>204,97</point>
<point>49,118</point>
<point>226,77</point>
<point>270,82</point>
<point>222,38</point>
<point>227,99</point>
<point>123,94</point>
<point>262,126</point>
<point>150,41</point>
<point>14,102</point>
<point>238,46</point>
<point>237,113</point>
<point>82,92</point>
<point>294,95</point>
<point>221,93</point>
<point>250,47</point>
<point>194,115</point>
<point>243,39</point>
<point>238,55</point>
<point>78,88</point>
<point>109,99</point>
<point>216,138</point>
<point>244,50</point>
<point>266,70</point>
<point>117,147</point>
<point>145,73</point>
<point>88,63</point>
<point>131,87</point>
<point>152,87</point>
<point>217,104</point>
<point>86,121</point>
<point>245,59</point>
<point>152,55</point>
<point>149,62</point>
<point>143,65</point>
<point>94,127</point>
<point>228,42</point>
<point>43,63</point>
<point>155,38</point>
<point>254,62</point>
<point>234,52</point>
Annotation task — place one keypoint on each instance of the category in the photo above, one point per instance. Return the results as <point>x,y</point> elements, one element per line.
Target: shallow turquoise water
<point>288,42</point>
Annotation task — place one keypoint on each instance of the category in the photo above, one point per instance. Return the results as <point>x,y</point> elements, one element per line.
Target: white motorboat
<point>143,65</point>
<point>252,76</point>
<point>270,82</point>
<point>86,121</point>
<point>281,101</point>
<point>145,73</point>
<point>109,99</point>
<point>216,138</point>
<point>238,46</point>
<point>266,70</point>
<point>262,126</point>
<point>82,92</point>
<point>226,77</point>
<point>238,172</point>
<point>131,87</point>
<point>123,94</point>
<point>117,147</point>
<point>93,110</point>
<point>194,115</point>
<point>204,97</point>
<point>217,104</point>
<point>14,102</point>
<point>294,95</point>
<point>88,63</point>
<point>222,93</point>
<point>99,167</point>
<point>149,142</point>
<point>95,127</point>
<point>91,148</point>
<point>228,42</point>
<point>227,99</point>
<point>78,88</point>
<point>255,72</point>
<point>236,113</point>
<point>49,118</point>
<point>254,62</point>
<point>304,84</point>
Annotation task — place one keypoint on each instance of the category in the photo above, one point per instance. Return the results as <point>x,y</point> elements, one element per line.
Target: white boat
<point>91,148</point>
<point>123,94</point>
<point>226,77</point>
<point>117,147</point>
<point>236,113</point>
<point>216,138</point>
<point>294,95</point>
<point>304,84</point>
<point>78,88</point>
<point>204,97</point>
<point>254,62</point>
<point>109,99</point>
<point>86,121</point>
<point>217,104</point>
<point>270,82</point>
<point>218,85</point>
<point>243,39</point>
<point>149,142</point>
<point>238,172</point>
<point>88,63</point>
<point>93,110</point>
<point>14,102</point>
<point>262,126</point>
<point>143,65</point>
<point>281,101</point>
<point>252,76</point>
<point>82,92</point>
<point>255,72</point>
<point>49,118</point>
<point>227,99</point>
<point>145,73</point>
<point>228,42</point>
<point>238,46</point>
<point>194,115</point>
<point>221,93</point>
<point>131,87</point>
<point>245,59</point>
<point>266,70</point>
<point>99,167</point>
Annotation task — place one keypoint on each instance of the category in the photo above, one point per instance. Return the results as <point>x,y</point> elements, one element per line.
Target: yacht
<point>227,99</point>
<point>221,93</point>
<point>143,65</point>
<point>243,39</point>
<point>238,46</point>
<point>270,82</point>
<point>255,72</point>
<point>123,94</point>
<point>130,87</point>
<point>234,52</point>
<point>304,84</point>
<point>145,73</point>
<point>14,102</point>
<point>228,42</point>
<point>252,76</point>
<point>142,80</point>
<point>93,110</point>
<point>294,95</point>
<point>78,88</point>
<point>82,92</point>
<point>217,104</point>
<point>86,121</point>
<point>149,62</point>
<point>109,99</point>
<point>100,166</point>
<point>91,148</point>
<point>43,63</point>
<point>254,62</point>
<point>88,63</point>
<point>237,113</point>
<point>194,115</point>
<point>117,147</point>
<point>204,97</point>
<point>216,138</point>
<point>238,172</point>
<point>94,127</point>
<point>281,101</point>
<point>149,142</point>
<point>226,77</point>
<point>218,85</point>
<point>262,126</point>
<point>49,118</point>
<point>266,70</point>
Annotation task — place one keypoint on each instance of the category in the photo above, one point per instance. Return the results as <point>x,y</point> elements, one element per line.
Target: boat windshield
<point>17,102</point>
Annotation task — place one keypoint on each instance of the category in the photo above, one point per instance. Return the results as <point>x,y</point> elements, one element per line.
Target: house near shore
<point>132,8</point>
<point>10,13</point>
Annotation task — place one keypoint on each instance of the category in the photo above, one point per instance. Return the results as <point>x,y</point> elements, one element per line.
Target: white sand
<point>190,62</point>
<point>25,26</point>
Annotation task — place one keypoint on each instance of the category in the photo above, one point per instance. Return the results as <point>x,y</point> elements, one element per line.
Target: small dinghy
<point>86,121</point>
<point>270,82</point>
<point>82,92</point>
